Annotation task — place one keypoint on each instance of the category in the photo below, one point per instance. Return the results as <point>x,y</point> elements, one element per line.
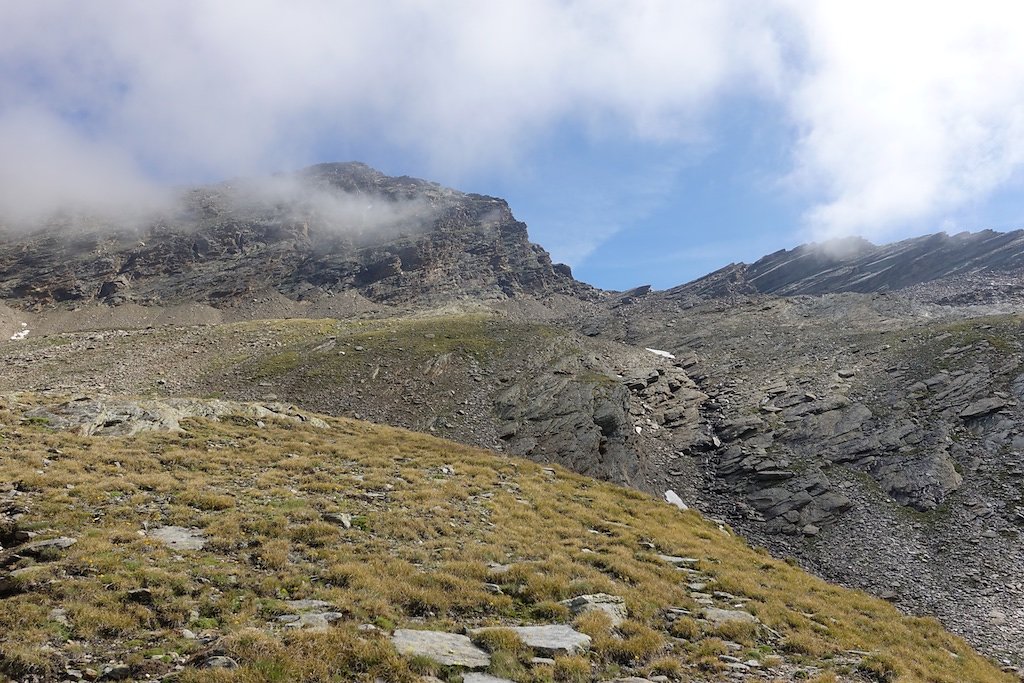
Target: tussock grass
<point>419,553</point>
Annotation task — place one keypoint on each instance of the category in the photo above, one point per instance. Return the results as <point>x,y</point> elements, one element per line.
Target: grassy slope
<point>428,517</point>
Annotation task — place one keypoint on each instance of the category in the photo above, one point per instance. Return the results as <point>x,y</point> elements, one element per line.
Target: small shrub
<point>572,669</point>
<point>685,628</point>
<point>549,610</point>
<point>206,500</point>
<point>273,554</point>
<point>667,666</point>
<point>595,624</point>
<point>706,653</point>
<point>424,666</point>
<point>881,668</point>
<point>314,534</point>
<point>805,643</point>
<point>639,643</point>
<point>507,665</point>
<point>743,632</point>
<point>825,677</point>
<point>502,640</point>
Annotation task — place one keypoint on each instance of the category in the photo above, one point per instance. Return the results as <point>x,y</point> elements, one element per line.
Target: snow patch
<point>18,336</point>
<point>673,499</point>
<point>659,352</point>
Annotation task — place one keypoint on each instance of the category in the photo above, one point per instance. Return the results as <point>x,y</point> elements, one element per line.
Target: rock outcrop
<point>90,416</point>
<point>326,229</point>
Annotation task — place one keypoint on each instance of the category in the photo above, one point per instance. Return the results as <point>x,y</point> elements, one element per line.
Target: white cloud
<point>47,164</point>
<point>907,110</point>
<point>902,112</point>
<point>185,89</point>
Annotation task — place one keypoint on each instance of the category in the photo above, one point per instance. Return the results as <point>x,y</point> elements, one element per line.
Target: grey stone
<point>447,649</point>
<point>311,621</point>
<point>116,672</point>
<point>612,605</point>
<point>220,662</point>
<point>310,615</point>
<point>95,417</point>
<point>17,581</point>
<point>922,483</point>
<point>982,407</point>
<point>740,427</point>
<point>178,538</point>
<point>308,605</point>
<point>474,677</point>
<point>719,617</point>
<point>551,639</point>
<point>342,518</point>
<point>35,549</point>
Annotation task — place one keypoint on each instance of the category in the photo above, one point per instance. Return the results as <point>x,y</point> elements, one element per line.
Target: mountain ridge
<point>856,265</point>
<point>814,423</point>
<point>327,228</point>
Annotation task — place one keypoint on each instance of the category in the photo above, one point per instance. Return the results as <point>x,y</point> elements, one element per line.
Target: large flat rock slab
<point>447,649</point>
<point>551,639</point>
<point>178,538</point>
<point>112,417</point>
<point>483,678</point>
<point>719,617</point>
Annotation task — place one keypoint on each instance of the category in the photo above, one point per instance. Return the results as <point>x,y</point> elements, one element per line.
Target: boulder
<point>612,605</point>
<point>982,407</point>
<point>551,639</point>
<point>474,677</point>
<point>447,649</point>
<point>720,617</point>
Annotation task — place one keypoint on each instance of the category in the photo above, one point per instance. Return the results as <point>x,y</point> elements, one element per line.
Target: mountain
<point>194,540</point>
<point>326,229</point>
<point>856,265</point>
<point>869,436</point>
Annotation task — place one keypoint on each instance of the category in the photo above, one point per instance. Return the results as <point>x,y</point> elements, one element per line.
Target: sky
<point>642,141</point>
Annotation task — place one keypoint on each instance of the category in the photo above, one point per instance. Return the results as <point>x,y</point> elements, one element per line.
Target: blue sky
<point>644,142</point>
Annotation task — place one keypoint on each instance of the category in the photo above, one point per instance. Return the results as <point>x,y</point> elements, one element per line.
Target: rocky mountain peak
<point>322,230</point>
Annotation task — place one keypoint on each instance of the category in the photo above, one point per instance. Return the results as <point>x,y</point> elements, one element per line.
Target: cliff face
<point>325,229</point>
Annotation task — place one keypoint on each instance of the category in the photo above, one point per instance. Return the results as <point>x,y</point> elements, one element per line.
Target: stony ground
<point>258,542</point>
<point>875,437</point>
<point>815,426</point>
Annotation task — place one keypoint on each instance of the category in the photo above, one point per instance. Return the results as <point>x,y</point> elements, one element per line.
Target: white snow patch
<point>673,499</point>
<point>659,352</point>
<point>18,336</point>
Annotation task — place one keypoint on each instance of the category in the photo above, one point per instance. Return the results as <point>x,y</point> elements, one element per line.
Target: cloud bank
<point>898,113</point>
<point>906,111</point>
